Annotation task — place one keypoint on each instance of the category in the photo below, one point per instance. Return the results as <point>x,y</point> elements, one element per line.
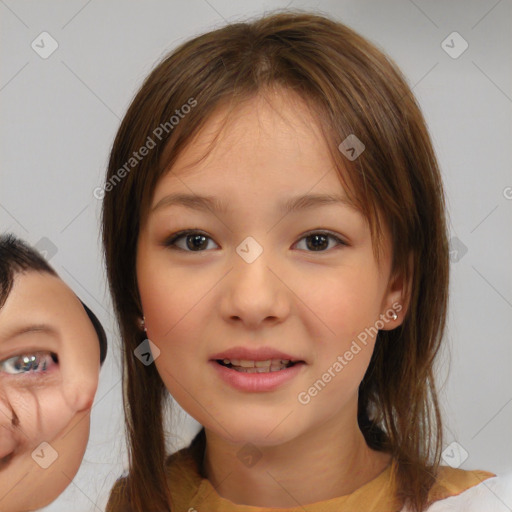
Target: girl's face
<point>255,274</point>
<point>49,368</point>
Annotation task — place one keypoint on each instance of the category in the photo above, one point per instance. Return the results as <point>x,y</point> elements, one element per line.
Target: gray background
<point>60,114</point>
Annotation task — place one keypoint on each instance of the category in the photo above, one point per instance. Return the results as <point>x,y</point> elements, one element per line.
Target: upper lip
<point>260,354</point>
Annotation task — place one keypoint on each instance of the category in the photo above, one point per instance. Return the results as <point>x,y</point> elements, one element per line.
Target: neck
<point>321,464</point>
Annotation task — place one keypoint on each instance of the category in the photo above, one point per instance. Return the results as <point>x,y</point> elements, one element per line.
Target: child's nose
<point>255,293</point>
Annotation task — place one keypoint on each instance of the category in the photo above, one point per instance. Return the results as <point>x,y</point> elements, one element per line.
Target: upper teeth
<point>256,364</point>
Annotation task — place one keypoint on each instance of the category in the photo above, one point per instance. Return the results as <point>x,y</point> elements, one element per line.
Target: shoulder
<point>185,463</point>
<point>451,481</point>
<point>182,466</point>
<point>470,491</point>
<point>118,502</point>
<point>182,471</point>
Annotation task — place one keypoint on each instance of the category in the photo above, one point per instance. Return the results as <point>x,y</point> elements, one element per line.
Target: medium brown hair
<point>351,87</point>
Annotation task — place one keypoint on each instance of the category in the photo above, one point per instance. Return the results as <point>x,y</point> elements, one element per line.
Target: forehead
<point>39,298</point>
<point>33,286</point>
<point>271,143</point>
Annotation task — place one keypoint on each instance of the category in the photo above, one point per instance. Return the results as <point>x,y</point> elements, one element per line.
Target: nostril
<point>7,443</point>
<point>15,420</point>
<point>4,461</point>
<point>9,428</point>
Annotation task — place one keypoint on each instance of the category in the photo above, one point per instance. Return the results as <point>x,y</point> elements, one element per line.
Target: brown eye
<point>318,241</point>
<point>195,241</point>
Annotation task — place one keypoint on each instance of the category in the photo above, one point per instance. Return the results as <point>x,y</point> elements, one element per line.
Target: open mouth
<point>270,365</point>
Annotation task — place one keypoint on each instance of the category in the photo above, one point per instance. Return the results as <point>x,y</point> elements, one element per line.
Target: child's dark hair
<point>16,256</point>
<point>350,87</point>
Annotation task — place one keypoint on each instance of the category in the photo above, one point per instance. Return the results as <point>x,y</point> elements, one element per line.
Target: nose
<point>255,292</point>
<point>8,421</point>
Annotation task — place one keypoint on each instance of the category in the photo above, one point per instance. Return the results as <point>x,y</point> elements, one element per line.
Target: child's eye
<point>37,362</point>
<point>318,241</point>
<point>196,241</point>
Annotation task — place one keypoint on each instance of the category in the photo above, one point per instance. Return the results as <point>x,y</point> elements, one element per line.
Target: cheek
<point>44,485</point>
<point>342,303</point>
<point>345,305</point>
<point>160,289</point>
<point>175,306</point>
<point>42,411</point>
<point>169,303</point>
<point>172,297</point>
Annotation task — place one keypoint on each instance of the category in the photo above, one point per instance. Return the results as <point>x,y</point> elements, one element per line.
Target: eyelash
<point>37,359</point>
<point>171,241</point>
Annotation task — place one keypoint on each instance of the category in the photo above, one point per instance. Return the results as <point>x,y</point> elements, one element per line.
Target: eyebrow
<point>209,203</point>
<point>40,328</point>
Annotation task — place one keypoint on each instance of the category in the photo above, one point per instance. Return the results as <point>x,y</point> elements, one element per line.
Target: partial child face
<point>282,289</point>
<point>45,400</point>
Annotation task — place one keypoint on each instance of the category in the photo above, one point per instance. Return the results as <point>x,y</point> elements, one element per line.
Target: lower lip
<point>257,382</point>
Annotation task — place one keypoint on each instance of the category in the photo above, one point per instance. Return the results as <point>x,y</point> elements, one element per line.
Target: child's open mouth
<point>257,376</point>
<point>246,366</point>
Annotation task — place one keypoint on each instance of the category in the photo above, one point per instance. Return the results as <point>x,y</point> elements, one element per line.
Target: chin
<point>258,433</point>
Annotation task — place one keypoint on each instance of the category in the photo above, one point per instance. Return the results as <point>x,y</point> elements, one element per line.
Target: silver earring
<point>395,316</point>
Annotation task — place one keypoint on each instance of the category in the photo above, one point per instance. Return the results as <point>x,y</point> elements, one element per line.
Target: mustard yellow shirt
<point>193,493</point>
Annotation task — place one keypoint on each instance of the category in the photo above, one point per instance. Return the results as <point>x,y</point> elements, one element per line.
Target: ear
<point>141,323</point>
<point>397,299</point>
